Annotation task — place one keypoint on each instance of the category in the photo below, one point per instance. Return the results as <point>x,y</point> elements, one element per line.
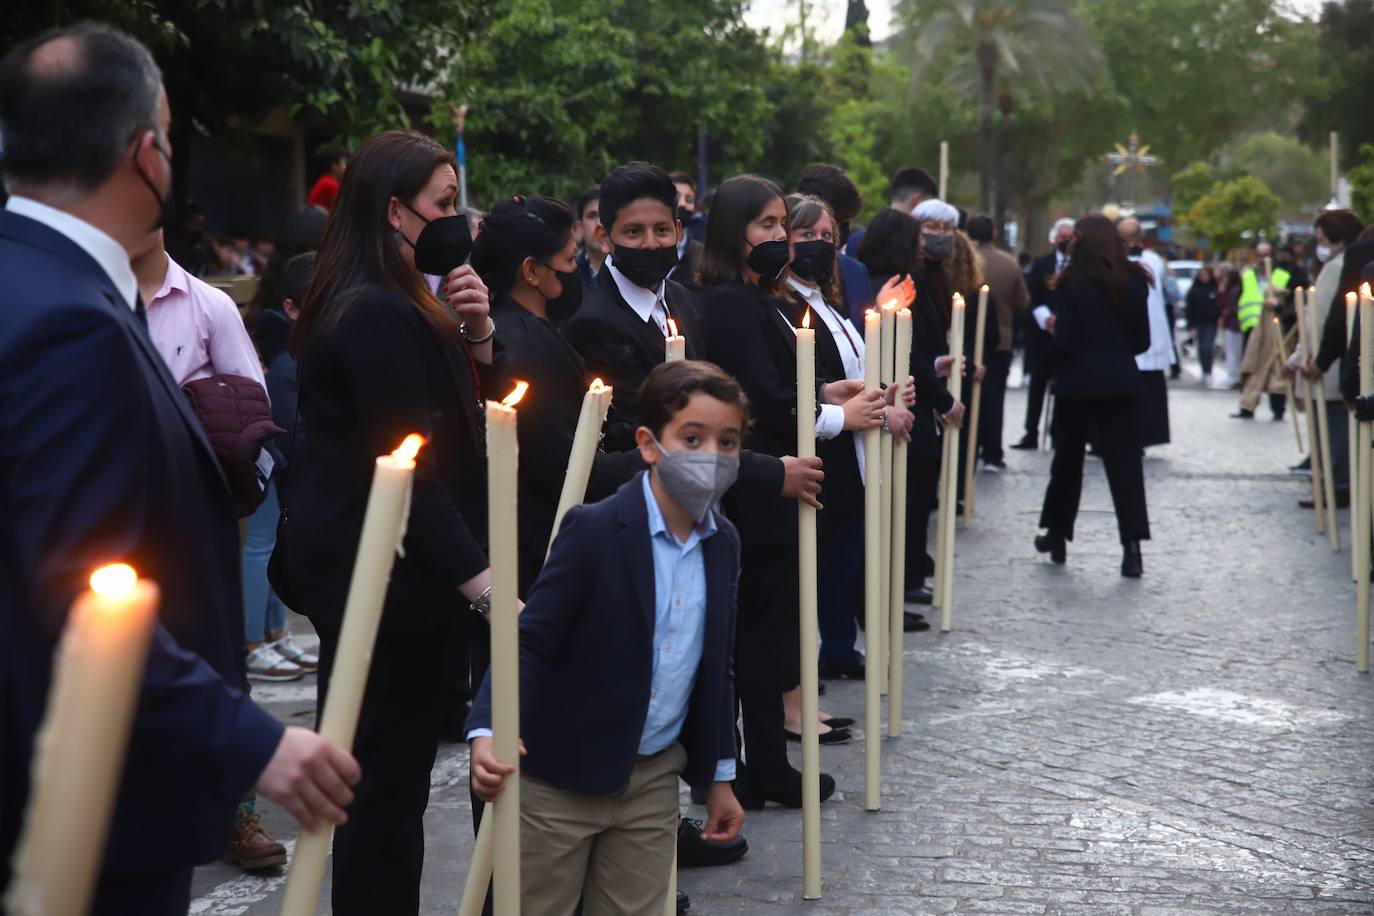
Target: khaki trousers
<point>613,852</point>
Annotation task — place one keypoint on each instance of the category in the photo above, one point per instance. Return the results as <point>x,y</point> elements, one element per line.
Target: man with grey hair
<point>1042,271</point>
<point>1154,362</point>
<point>102,460</point>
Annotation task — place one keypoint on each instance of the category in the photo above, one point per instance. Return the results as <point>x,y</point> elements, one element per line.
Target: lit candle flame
<point>405,453</point>
<point>114,581</point>
<point>1364,291</point>
<point>1351,298</point>
<point>672,328</point>
<point>958,301</point>
<point>597,386</point>
<point>984,287</point>
<point>516,394</point>
<point>806,319</point>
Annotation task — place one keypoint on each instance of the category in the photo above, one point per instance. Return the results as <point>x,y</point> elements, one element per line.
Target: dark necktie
<point>139,311</point>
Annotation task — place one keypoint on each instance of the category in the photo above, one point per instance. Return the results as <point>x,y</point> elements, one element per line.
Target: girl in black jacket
<point>1100,323</point>
<point>1203,313</point>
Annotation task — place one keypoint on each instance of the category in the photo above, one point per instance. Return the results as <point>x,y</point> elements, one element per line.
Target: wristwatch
<point>483,603</point>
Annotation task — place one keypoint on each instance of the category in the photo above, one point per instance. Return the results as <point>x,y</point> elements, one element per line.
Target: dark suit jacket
<point>529,348</point>
<point>102,460</point>
<point>1094,344</point>
<point>622,350</point>
<point>1333,340</point>
<point>929,339</point>
<point>587,657</point>
<point>376,373</point>
<point>1037,282</point>
<point>858,295</point>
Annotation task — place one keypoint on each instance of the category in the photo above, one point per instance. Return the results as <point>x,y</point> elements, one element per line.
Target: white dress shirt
<point>103,249</point>
<point>648,304</point>
<point>830,423</point>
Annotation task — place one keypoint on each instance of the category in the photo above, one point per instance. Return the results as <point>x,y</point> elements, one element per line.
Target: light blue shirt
<point>679,629</point>
<point>679,632</point>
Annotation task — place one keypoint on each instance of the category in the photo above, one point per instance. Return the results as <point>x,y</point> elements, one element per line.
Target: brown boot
<point>251,848</point>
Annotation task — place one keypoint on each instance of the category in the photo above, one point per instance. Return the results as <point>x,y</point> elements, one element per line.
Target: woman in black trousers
<point>381,357</point>
<point>1100,323</point>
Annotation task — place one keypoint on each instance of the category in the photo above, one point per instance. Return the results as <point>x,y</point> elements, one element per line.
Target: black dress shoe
<point>1053,544</point>
<point>1342,501</point>
<point>839,722</point>
<point>920,595</point>
<point>683,904</point>
<point>1243,414</point>
<point>783,787</point>
<point>831,670</point>
<point>1028,442</point>
<point>913,622</point>
<point>834,736</point>
<point>1132,566</point>
<point>694,852</point>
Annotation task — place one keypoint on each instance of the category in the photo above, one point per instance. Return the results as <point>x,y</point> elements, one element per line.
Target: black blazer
<point>1333,342</point>
<point>376,373</point>
<point>587,657</point>
<point>1094,344</point>
<point>101,460</point>
<point>842,492</point>
<point>531,349</point>
<point>622,349</point>
<point>929,339</point>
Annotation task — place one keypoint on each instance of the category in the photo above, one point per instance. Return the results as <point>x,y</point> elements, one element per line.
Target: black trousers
<point>379,853</point>
<point>1112,428</point>
<point>159,894</point>
<point>1038,361</point>
<point>990,412</point>
<point>767,652</point>
<point>923,479</point>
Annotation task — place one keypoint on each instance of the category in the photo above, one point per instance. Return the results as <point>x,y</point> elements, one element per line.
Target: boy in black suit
<point>626,647</point>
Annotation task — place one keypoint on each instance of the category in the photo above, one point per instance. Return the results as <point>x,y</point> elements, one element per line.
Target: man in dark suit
<point>623,321</point>
<point>626,651</point>
<point>101,460</point>
<point>1044,269</point>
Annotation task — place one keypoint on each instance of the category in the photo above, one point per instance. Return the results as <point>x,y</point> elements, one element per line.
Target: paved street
<point>1196,742</point>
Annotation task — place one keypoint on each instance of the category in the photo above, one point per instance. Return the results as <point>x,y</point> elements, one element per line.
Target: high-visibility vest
<point>1251,304</point>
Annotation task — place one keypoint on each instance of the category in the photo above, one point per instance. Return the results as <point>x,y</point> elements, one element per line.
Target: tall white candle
<point>80,747</point>
<point>1352,305</point>
<point>674,345</point>
<point>384,527</point>
<point>975,401</point>
<point>896,637</point>
<point>873,594</point>
<point>595,403</point>
<point>951,496</point>
<point>503,459</point>
<point>886,369</point>
<point>944,169</point>
<point>806,546</point>
<point>1315,407</point>
<point>1361,510</point>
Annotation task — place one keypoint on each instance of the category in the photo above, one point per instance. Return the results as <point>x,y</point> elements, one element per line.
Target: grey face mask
<point>937,246</point>
<point>696,480</point>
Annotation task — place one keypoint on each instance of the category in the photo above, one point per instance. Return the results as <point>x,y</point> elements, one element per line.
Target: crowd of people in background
<point>385,309</point>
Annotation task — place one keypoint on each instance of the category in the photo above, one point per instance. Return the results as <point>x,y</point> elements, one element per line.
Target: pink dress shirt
<point>198,330</point>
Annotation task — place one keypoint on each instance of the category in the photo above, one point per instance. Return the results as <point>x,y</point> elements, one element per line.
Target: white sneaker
<point>287,648</point>
<point>265,663</point>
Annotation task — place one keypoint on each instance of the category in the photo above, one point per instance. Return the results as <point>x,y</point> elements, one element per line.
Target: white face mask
<point>1325,253</point>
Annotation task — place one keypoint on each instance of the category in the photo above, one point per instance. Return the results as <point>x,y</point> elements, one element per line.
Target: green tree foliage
<point>1234,211</point>
<point>1298,174</point>
<point>1361,179</point>
<point>1341,97</point>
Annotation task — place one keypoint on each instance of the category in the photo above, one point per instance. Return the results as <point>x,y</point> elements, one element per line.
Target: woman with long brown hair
<point>1100,323</point>
<point>382,357</point>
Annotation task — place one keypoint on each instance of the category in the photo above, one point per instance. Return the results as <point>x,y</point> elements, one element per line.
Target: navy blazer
<point>102,460</point>
<point>587,656</point>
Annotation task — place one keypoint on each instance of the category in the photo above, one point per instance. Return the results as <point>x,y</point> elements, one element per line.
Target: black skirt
<point>1153,409</point>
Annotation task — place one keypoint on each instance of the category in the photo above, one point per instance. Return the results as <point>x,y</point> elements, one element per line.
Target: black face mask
<point>814,260</point>
<point>684,215</point>
<point>646,267</point>
<point>568,301</point>
<point>1063,246</point>
<point>442,245</point>
<point>769,259</point>
<point>164,204</point>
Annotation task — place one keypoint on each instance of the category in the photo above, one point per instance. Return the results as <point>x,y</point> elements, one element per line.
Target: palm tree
<point>1033,45</point>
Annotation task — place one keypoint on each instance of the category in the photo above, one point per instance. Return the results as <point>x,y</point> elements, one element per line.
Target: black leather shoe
<point>1243,414</point>
<point>694,852</point>
<point>913,622</point>
<point>839,670</point>
<point>783,787</point>
<point>1132,566</point>
<point>834,736</point>
<point>683,904</point>
<point>839,722</point>
<point>1029,442</point>
<point>1053,545</point>
<point>920,595</point>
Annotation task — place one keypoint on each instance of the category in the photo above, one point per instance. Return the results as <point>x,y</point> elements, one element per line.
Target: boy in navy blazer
<point>626,676</point>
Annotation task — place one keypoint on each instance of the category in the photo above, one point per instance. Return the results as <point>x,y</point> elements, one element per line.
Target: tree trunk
<point>1000,205</point>
<point>985,144</point>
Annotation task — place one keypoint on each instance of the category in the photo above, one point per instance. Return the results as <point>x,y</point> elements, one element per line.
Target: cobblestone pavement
<point>1196,742</point>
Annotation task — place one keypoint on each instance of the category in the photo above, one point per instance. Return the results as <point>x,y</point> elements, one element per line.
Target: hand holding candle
<point>80,748</point>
